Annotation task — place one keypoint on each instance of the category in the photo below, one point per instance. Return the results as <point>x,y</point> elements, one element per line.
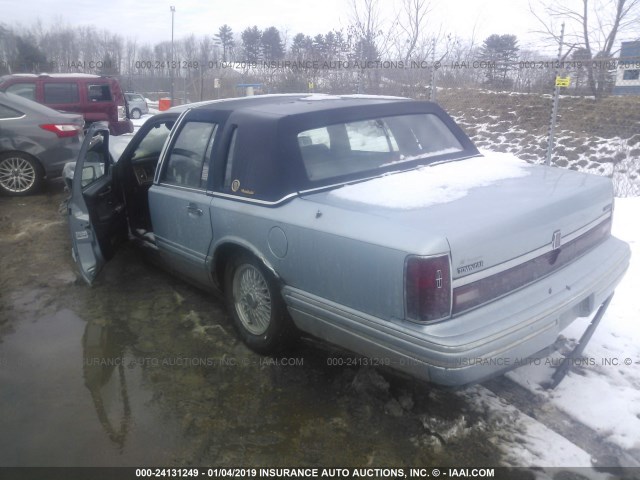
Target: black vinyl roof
<point>291,104</point>
<point>267,164</point>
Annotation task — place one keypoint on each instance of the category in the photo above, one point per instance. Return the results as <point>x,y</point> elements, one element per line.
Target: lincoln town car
<point>373,223</point>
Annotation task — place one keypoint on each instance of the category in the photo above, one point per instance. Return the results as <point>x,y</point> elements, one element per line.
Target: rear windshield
<point>347,148</point>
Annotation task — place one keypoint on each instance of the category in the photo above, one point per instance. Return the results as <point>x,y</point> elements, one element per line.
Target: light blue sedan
<point>371,222</point>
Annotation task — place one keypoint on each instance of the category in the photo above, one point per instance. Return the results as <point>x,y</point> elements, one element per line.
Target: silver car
<point>136,104</point>
<point>35,143</point>
<point>370,222</point>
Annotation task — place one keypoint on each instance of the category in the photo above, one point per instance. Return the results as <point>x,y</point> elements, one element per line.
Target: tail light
<point>122,113</point>
<point>62,130</point>
<point>428,288</point>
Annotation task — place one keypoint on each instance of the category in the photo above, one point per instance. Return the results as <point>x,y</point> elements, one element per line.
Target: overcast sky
<point>149,21</point>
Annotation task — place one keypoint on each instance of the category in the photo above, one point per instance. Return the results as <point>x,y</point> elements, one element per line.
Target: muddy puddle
<point>143,369</point>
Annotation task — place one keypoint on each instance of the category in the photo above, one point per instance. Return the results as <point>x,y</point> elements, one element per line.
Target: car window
<point>99,93</point>
<point>189,154</point>
<point>151,145</point>
<point>26,90</point>
<point>347,148</point>
<point>8,112</point>
<point>61,93</point>
<point>371,136</point>
<point>95,161</point>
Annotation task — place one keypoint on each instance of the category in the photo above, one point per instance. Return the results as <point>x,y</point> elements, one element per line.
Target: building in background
<point>628,75</point>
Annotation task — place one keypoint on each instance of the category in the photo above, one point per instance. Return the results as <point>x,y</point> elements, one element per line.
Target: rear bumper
<point>478,344</point>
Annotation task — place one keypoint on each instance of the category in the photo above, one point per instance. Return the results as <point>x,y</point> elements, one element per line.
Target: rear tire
<point>135,113</point>
<point>20,174</point>
<point>254,301</point>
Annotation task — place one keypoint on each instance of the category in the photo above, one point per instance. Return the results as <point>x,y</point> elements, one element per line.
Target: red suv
<point>97,98</point>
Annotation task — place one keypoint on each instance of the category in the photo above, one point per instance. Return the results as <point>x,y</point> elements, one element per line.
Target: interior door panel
<point>107,214</point>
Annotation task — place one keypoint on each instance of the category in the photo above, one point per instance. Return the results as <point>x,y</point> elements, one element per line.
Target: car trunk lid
<point>494,211</point>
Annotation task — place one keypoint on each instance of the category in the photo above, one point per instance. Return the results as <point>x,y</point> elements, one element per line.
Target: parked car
<point>370,222</point>
<point>35,142</point>
<point>137,105</point>
<point>96,97</point>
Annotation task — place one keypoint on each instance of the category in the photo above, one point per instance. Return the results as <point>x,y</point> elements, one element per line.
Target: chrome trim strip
<point>474,277</point>
<point>13,118</point>
<point>180,187</point>
<point>228,196</point>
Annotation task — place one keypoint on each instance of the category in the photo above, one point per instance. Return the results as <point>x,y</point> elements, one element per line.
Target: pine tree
<point>225,37</point>
<point>500,52</point>
<point>252,44</point>
<point>272,48</point>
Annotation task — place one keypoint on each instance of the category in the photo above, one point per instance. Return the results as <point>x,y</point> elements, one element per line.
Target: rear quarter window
<point>25,90</point>
<point>61,93</point>
<point>8,112</point>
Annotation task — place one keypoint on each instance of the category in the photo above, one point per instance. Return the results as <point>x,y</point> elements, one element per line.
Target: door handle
<point>105,193</point>
<point>193,209</point>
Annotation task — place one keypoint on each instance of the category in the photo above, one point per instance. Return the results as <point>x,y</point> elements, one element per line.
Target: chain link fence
<point>502,108</point>
<point>600,136</point>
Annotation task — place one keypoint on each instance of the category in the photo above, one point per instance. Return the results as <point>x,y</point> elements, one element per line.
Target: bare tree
<point>371,34</point>
<point>593,26</point>
<point>412,21</point>
<point>368,26</point>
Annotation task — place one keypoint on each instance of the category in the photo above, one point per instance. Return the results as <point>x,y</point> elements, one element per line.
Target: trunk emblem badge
<point>556,240</point>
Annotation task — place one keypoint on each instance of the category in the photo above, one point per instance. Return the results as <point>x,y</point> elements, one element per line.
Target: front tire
<point>253,298</point>
<point>135,113</point>
<point>20,174</point>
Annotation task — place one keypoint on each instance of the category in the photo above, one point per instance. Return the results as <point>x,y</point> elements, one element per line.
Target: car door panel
<point>182,229</point>
<point>106,212</point>
<point>97,218</point>
<point>178,202</point>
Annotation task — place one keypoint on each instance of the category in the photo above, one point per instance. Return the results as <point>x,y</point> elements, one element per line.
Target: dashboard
<point>144,173</point>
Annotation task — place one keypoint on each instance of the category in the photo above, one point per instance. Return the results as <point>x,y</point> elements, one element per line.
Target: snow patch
<point>603,391</point>
<point>523,440</point>
<point>438,183</point>
<point>320,96</point>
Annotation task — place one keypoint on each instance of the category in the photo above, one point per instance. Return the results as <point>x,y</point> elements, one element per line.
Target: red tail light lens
<point>62,129</point>
<point>428,288</point>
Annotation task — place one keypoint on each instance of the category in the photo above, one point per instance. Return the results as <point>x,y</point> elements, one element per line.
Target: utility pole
<point>556,99</point>
<point>173,11</point>
<point>432,90</point>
